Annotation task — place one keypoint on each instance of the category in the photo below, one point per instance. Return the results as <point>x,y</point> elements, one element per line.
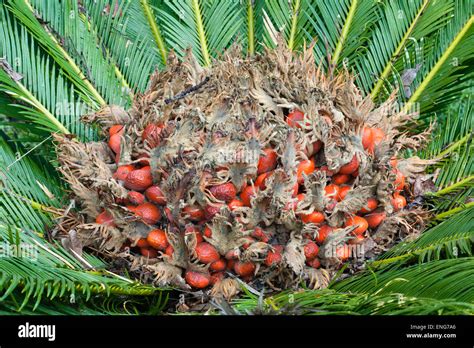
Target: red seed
<point>377,135</point>
<point>296,187</point>
<point>122,172</point>
<point>260,235</point>
<point>207,232</point>
<point>368,139</point>
<point>295,118</point>
<point>116,128</point>
<point>273,257</point>
<point>149,212</point>
<point>357,239</point>
<point>151,134</point>
<point>313,148</point>
<point>218,265</point>
<point>399,180</point>
<point>358,221</point>
<point>114,142</point>
<point>305,167</point>
<point>399,202</point>
<point>267,161</point>
<point>135,197</point>
<point>197,280</point>
<point>193,229</point>
<point>211,210</point>
<point>246,195</point>
<point>230,264</point>
<point>157,239</point>
<point>315,217</point>
<point>260,182</point>
<point>155,195</point>
<point>169,251</point>
<point>323,232</point>
<point>105,218</point>
<point>340,179</point>
<point>149,252</point>
<point>142,243</point>
<point>311,250</point>
<point>350,167</point>
<point>139,179</point>
<point>232,255</point>
<point>343,252</point>
<point>244,269</point>
<point>315,263</point>
<point>394,162</point>
<point>206,253</point>
<point>370,206</point>
<point>216,277</point>
<point>224,192</point>
<point>193,213</point>
<point>332,191</point>
<point>234,204</point>
<point>375,219</point>
<point>343,190</point>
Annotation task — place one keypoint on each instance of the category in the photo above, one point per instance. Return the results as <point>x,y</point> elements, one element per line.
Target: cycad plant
<point>61,61</point>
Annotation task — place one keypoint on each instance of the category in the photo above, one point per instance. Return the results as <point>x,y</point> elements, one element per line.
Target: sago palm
<point>63,60</point>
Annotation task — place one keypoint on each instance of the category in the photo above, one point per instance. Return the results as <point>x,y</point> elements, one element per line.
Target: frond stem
<point>201,32</point>
<point>345,31</point>
<point>71,62</point>
<point>423,85</point>
<point>250,28</point>
<point>454,146</point>
<point>453,211</point>
<point>118,73</point>
<point>397,51</point>
<point>453,187</point>
<point>31,99</point>
<point>294,22</point>
<point>154,29</point>
<point>414,252</point>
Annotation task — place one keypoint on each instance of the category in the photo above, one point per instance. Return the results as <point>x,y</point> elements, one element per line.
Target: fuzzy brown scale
<point>202,132</point>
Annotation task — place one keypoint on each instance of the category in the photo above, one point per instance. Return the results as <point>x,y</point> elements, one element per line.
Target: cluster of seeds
<point>262,169</point>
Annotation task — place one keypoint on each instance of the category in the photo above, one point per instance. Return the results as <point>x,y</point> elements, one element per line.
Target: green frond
<point>330,302</point>
<point>451,145</point>
<point>439,279</point>
<point>329,35</point>
<point>446,69</point>
<point>196,7</point>
<point>450,239</point>
<point>395,20</point>
<point>446,214</point>
<point>213,12</point>
<point>289,19</point>
<point>430,17</point>
<point>79,39</point>
<point>42,270</point>
<point>24,13</point>
<point>128,39</point>
<point>77,305</point>
<point>26,189</point>
<point>206,26</point>
<point>44,97</point>
<point>360,17</point>
<point>73,57</point>
<point>403,41</point>
<point>253,33</point>
<point>345,31</point>
<point>151,19</point>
